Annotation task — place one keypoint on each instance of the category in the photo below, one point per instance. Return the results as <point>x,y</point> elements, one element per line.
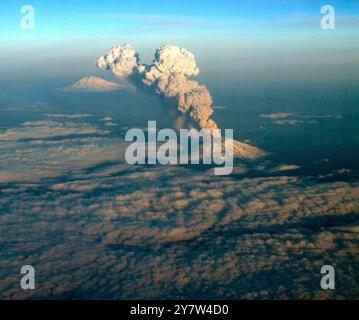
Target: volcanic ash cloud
<point>168,75</point>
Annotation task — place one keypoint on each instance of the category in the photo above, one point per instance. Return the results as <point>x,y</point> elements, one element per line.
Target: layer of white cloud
<point>95,227</point>
<point>284,118</point>
<point>169,232</point>
<point>45,129</point>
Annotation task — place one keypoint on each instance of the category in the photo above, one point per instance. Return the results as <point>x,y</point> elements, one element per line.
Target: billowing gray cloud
<point>168,75</point>
<point>121,60</point>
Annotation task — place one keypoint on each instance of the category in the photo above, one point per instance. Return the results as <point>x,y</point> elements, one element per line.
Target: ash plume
<point>168,75</point>
<point>120,60</point>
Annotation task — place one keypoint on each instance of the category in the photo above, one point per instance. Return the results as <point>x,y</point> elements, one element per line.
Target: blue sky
<point>84,18</point>
<point>75,32</point>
